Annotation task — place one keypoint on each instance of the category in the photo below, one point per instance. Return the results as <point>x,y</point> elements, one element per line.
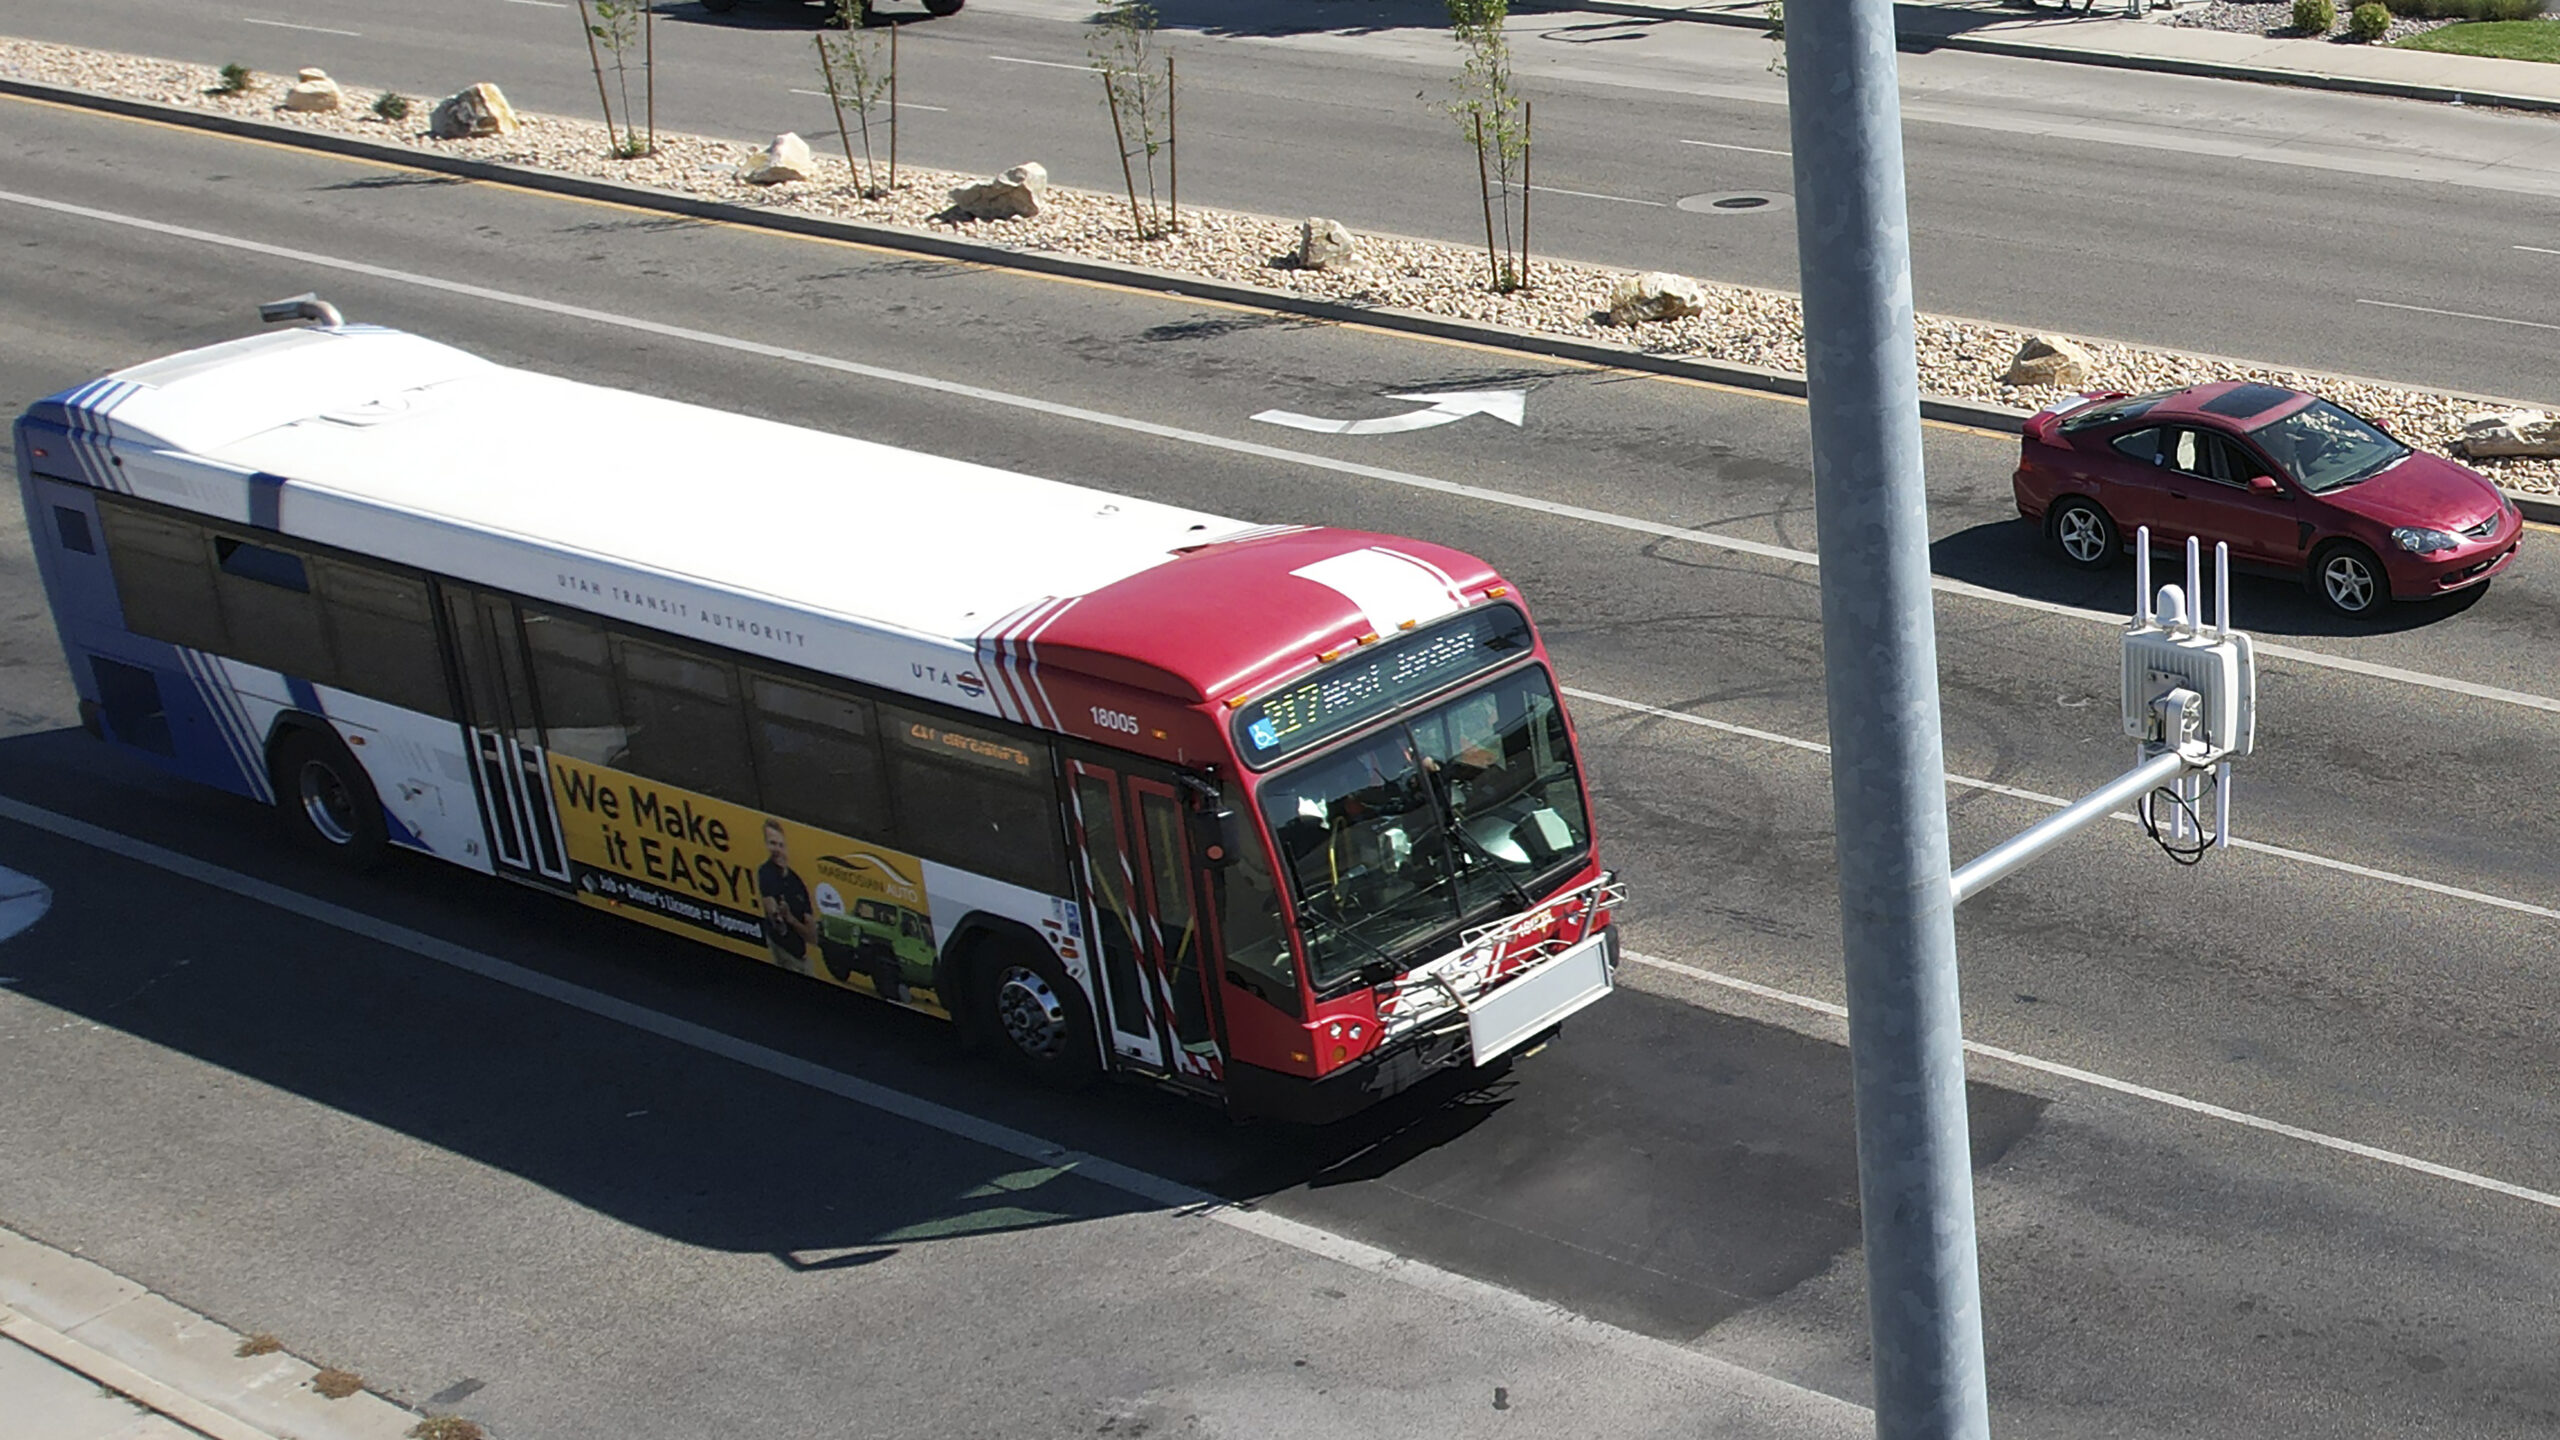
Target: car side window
<point>2190,453</point>
<point>2238,465</point>
<point>2141,445</point>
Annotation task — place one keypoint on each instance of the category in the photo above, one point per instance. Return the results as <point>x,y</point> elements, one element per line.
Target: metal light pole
<point>1888,775</point>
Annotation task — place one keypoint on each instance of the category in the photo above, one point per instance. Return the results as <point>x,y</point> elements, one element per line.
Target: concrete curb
<point>1980,414</point>
<point>2117,60</point>
<point>899,237</point>
<point>170,1359</point>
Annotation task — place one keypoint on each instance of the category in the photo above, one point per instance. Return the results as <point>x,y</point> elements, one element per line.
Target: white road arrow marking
<point>1439,409</point>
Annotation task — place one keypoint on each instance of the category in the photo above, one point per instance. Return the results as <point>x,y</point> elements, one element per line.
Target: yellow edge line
<point>867,247</point>
<point>2541,526</point>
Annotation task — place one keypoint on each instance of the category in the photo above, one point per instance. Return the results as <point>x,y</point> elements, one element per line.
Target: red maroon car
<point>2297,485</point>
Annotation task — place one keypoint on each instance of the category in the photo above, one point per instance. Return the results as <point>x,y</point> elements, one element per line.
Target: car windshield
<point>1424,823</point>
<point>2324,448</point>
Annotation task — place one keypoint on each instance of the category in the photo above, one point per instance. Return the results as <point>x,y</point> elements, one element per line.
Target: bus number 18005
<point>1120,720</point>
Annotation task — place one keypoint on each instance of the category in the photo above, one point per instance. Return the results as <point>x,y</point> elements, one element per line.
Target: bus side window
<point>683,725</point>
<point>164,577</point>
<point>573,687</point>
<point>817,754</point>
<point>382,629</point>
<point>976,799</point>
<point>268,608</point>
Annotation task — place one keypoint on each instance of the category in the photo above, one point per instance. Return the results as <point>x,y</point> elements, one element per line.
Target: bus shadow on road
<point>1659,1165</point>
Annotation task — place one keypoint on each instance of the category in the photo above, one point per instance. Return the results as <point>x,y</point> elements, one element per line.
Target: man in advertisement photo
<point>790,927</point>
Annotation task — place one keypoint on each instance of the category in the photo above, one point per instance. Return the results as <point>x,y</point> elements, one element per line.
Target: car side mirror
<point>2262,484</point>
<point>2382,425</point>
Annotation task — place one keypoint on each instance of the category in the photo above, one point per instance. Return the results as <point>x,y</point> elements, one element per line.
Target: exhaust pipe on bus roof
<point>306,306</point>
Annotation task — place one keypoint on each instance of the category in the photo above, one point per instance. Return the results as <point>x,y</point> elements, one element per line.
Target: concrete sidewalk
<point>86,1354</point>
<point>2106,35</point>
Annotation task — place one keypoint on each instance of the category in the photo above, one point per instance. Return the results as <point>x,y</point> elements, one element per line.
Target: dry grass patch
<point>447,1427</point>
<point>337,1384</point>
<point>261,1343</point>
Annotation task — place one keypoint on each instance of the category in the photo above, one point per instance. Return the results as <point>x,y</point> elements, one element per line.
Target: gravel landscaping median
<point>1959,359</point>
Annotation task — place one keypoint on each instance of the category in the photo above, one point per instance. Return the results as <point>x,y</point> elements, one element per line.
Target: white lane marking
<point>23,901</point>
<point>1129,1180</point>
<point>1661,530</point>
<point>821,94</point>
<point>1746,149</point>
<point>289,25</point>
<point>2169,1098</point>
<point>2536,249</point>
<point>1595,195</point>
<point>1043,64</point>
<point>545,4</point>
<point>2460,314</point>
<point>1994,787</point>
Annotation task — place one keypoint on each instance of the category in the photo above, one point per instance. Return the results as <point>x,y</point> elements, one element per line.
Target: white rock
<point>2050,360</point>
<point>1015,194</point>
<point>312,90</point>
<point>478,110</point>
<point>786,159</point>
<point>2509,432</point>
<point>1655,295</point>
<point>1326,244</point>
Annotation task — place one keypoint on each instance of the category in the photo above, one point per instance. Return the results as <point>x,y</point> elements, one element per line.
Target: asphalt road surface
<point>2267,1149</point>
<point>2397,239</point>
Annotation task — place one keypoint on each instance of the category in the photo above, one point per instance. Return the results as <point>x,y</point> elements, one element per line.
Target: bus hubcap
<point>1032,1016</point>
<point>326,804</point>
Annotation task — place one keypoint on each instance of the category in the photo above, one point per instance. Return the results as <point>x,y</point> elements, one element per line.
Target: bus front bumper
<point>1454,1041</point>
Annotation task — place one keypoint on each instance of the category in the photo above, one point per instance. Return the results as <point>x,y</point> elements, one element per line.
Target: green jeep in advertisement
<point>888,944</point>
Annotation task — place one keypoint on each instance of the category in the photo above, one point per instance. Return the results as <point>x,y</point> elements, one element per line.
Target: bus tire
<point>1035,1017</point>
<point>327,800</point>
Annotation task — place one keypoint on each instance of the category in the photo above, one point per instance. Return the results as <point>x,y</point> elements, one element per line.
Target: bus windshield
<point>1424,823</point>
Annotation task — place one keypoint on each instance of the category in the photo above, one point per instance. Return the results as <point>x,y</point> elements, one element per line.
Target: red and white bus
<point>1287,816</point>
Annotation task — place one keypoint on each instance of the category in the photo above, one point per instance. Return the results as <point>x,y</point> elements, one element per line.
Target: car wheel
<point>327,801</point>
<point>942,8</point>
<point>1037,1018</point>
<point>2084,535</point>
<point>2348,580</point>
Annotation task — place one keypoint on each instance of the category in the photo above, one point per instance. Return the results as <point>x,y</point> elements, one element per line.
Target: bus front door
<point>504,742</point>
<point>1146,921</point>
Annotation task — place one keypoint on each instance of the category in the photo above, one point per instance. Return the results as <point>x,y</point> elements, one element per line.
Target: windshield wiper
<point>1449,821</point>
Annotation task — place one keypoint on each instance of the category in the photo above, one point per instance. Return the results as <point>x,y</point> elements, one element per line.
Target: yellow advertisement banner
<point>811,901</point>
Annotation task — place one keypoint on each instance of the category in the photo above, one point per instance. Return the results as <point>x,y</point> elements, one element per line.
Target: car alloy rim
<point>2083,534</point>
<point>1032,1015</point>
<point>2350,584</point>
<point>326,803</point>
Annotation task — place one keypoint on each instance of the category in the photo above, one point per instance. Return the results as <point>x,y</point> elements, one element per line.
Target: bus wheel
<point>1036,1018</point>
<point>327,801</point>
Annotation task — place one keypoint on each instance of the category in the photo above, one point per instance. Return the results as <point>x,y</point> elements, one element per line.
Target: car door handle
<point>2177,494</point>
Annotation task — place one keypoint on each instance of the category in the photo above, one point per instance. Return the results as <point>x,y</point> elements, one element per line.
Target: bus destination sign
<point>1362,687</point>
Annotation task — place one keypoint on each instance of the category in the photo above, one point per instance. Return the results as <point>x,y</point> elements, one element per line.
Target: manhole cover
<point>1744,203</point>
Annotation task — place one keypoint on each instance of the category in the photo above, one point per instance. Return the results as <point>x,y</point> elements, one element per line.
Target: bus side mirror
<point>1214,834</point>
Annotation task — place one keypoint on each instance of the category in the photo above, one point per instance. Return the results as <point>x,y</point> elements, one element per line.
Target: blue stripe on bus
<point>266,501</point>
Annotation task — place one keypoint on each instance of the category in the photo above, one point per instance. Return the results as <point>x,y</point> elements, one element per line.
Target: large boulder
<point>313,90</point>
<point>1015,194</point>
<point>478,110</point>
<point>2050,360</point>
<point>786,159</point>
<point>1655,295</point>
<point>1326,244</point>
<point>2509,432</point>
